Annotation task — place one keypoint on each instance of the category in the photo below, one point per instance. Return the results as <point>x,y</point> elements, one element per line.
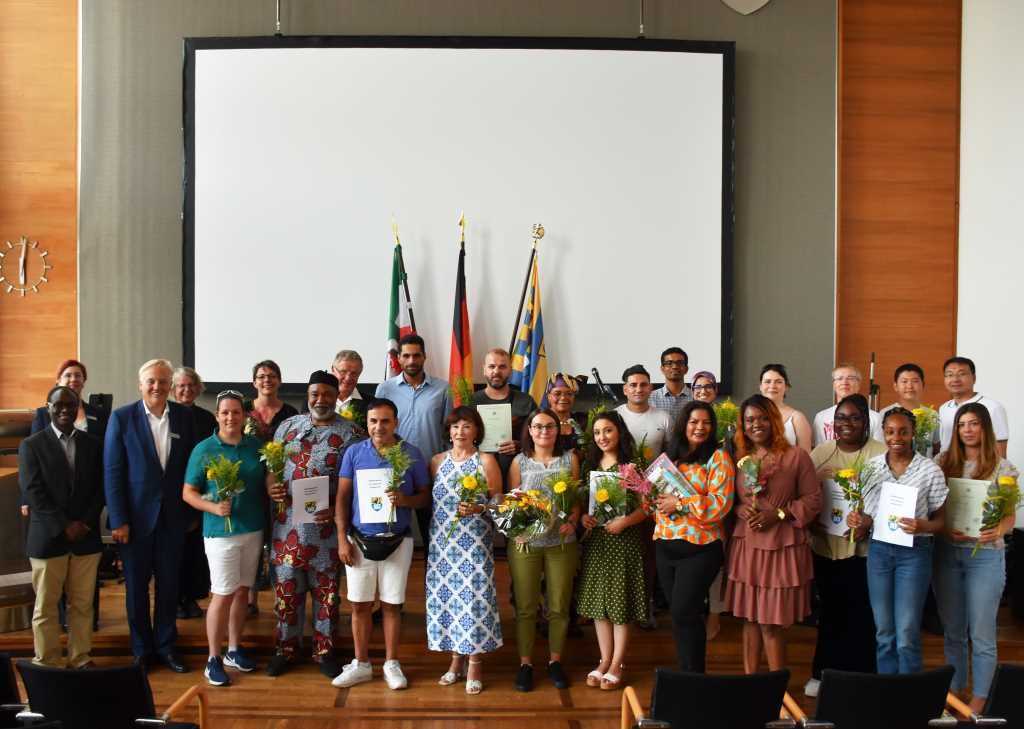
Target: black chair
<point>118,697</point>
<point>709,701</point>
<point>849,700</point>
<point>10,700</point>
<point>1005,703</point>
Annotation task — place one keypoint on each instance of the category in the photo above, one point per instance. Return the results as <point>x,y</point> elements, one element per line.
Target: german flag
<point>460,364</point>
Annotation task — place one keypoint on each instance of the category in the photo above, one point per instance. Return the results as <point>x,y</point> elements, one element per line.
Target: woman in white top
<point>774,386</point>
<point>970,573</point>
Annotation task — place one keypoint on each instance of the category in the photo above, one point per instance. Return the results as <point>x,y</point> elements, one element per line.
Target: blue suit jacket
<point>137,489</point>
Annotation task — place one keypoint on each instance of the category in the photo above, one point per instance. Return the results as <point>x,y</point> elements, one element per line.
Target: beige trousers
<point>74,576</point>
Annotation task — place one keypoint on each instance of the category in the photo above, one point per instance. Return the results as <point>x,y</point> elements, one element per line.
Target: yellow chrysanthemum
<point>533,493</point>
<point>601,496</point>
<point>469,482</point>
<point>348,414</point>
<point>846,473</point>
<point>503,508</point>
<point>559,488</point>
<point>1007,480</point>
<point>210,474</point>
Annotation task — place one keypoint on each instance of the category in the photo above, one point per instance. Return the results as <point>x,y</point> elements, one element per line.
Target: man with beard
<point>497,370</point>
<point>423,403</point>
<point>675,393</point>
<point>305,556</point>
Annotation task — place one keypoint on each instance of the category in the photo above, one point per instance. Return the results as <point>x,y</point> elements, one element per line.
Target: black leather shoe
<point>173,661</point>
<point>557,675</point>
<point>144,661</point>
<point>191,609</point>
<point>524,678</point>
<point>329,667</point>
<point>278,665</point>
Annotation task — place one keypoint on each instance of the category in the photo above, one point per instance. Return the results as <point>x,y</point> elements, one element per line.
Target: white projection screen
<point>299,152</point>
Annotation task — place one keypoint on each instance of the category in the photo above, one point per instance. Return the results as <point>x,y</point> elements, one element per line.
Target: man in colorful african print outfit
<point>306,556</point>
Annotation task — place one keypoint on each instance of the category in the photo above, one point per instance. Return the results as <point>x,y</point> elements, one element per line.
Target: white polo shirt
<point>654,425</point>
<point>947,413</point>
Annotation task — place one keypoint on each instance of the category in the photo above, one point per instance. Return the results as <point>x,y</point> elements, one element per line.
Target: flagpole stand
<point>537,233</point>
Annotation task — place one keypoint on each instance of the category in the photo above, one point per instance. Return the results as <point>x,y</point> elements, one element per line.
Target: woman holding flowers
<point>225,480</point>
<point>846,628</point>
<point>461,604</point>
<point>688,530</point>
<point>898,576</point>
<point>545,469</point>
<point>769,566</point>
<point>970,573</point>
<point>775,386</point>
<point>612,590</point>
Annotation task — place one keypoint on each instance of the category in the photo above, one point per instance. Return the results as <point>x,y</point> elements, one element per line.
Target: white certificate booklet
<point>497,425</point>
<point>834,508</point>
<point>595,480</point>
<point>372,495</point>
<point>895,502</point>
<point>309,495</point>
<point>965,504</point>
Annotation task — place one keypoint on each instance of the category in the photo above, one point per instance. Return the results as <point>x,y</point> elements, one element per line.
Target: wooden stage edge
<point>304,699</point>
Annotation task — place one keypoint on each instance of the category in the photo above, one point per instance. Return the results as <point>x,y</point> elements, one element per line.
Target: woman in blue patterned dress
<point>461,604</point>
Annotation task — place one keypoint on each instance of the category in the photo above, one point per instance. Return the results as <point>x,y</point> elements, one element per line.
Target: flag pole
<point>538,233</point>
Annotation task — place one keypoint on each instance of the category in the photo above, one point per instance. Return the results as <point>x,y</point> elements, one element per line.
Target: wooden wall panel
<point>899,133</point>
<point>38,171</point>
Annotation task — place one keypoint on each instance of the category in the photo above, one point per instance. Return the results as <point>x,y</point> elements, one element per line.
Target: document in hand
<point>834,508</point>
<point>667,479</point>
<point>309,495</point>
<point>896,501</point>
<point>966,504</point>
<point>372,495</point>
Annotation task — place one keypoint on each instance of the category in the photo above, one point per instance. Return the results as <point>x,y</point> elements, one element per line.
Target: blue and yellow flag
<point>529,362</point>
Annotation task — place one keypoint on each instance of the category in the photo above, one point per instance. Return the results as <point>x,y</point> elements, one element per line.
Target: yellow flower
<point>742,461</point>
<point>1007,481</point>
<point>348,414</point>
<point>533,493</point>
<point>601,496</point>
<point>728,405</point>
<point>210,474</point>
<point>503,508</point>
<point>469,482</point>
<point>559,487</point>
<point>846,473</point>
<point>648,453</point>
<point>918,412</point>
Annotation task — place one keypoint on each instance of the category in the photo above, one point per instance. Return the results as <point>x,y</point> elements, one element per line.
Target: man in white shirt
<point>846,380</point>
<point>347,367</point>
<point>958,374</point>
<point>647,424</point>
<point>908,384</point>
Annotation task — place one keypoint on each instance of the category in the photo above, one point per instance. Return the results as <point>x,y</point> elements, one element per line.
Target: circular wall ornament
<point>23,267</point>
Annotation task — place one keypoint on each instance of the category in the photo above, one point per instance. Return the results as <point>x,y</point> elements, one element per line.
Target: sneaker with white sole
<point>811,687</point>
<point>353,673</point>
<point>215,674</point>
<point>393,676</point>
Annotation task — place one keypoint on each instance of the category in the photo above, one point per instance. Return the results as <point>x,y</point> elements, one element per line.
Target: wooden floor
<point>303,698</point>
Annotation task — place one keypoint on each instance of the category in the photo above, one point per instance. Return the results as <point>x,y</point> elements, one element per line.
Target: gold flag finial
<point>462,227</point>
<point>394,230</point>
<point>538,233</point>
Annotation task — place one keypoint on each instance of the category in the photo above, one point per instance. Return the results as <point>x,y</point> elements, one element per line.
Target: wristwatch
<point>781,513</point>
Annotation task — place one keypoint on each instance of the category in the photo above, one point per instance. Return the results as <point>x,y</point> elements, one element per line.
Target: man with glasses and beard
<point>675,393</point>
<point>305,556</point>
<point>497,370</point>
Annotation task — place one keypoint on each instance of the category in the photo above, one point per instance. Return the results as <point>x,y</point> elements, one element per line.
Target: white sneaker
<point>811,687</point>
<point>394,676</point>
<point>353,673</point>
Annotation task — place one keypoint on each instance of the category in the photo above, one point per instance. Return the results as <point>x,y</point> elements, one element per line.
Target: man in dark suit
<point>144,458</point>
<point>61,474</point>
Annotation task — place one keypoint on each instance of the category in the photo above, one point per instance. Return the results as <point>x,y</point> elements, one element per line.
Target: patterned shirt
<point>921,473</point>
<point>701,520</point>
<point>672,404</point>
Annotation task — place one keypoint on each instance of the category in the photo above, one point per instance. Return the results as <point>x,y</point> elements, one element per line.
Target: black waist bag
<point>376,547</point>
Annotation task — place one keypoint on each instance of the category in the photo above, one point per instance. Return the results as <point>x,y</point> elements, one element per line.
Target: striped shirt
<point>701,520</point>
<point>921,473</point>
<point>672,404</point>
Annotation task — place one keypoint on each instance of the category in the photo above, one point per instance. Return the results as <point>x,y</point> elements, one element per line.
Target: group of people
<point>744,538</point>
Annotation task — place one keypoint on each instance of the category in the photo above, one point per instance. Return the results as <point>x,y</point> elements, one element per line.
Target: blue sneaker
<point>237,659</point>
<point>215,673</point>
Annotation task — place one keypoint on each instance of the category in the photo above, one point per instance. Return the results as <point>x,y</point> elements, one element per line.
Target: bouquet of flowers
<point>726,414</point>
<point>473,489</point>
<point>522,515</point>
<point>461,391</point>
<point>642,454</point>
<point>752,469</point>
<point>400,462</point>
<point>851,483</point>
<point>352,415</point>
<point>926,420</point>
<point>567,492</point>
<point>632,479</point>
<point>1002,501</point>
<point>222,473</point>
<point>612,500</point>
<point>274,455</point>
<point>586,438</point>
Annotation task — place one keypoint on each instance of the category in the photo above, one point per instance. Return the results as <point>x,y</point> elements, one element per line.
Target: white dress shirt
<point>161,429</point>
<point>67,442</point>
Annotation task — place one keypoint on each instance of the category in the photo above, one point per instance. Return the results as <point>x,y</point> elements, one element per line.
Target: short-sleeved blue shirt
<point>364,455</point>
<point>247,509</point>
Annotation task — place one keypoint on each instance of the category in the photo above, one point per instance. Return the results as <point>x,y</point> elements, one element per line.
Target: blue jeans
<point>968,590</point>
<point>898,579</point>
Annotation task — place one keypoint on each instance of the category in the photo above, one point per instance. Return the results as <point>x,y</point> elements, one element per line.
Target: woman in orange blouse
<point>688,530</point>
<point>770,566</point>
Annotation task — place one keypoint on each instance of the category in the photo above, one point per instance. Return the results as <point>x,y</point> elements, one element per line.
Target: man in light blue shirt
<point>423,404</point>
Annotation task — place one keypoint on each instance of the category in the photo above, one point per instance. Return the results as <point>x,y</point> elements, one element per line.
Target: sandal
<point>594,678</point>
<point>474,685</point>
<point>610,682</point>
<point>451,677</point>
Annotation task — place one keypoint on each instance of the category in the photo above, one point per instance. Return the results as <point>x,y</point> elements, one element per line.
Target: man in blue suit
<point>145,453</point>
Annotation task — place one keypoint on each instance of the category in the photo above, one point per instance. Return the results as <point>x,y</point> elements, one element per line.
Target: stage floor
<point>304,699</point>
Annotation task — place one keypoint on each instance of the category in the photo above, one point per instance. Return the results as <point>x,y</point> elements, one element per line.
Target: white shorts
<point>233,561</point>
<point>389,576</point>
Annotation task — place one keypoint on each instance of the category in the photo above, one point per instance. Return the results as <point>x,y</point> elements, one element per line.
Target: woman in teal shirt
<point>232,532</point>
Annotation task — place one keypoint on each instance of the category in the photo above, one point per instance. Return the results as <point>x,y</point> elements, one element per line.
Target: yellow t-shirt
<point>829,455</point>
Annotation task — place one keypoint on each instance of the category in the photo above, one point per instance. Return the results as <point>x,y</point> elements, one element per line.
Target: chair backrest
<point>908,701</point>
<point>1006,697</point>
<point>8,685</point>
<point>112,697</point>
<point>702,701</point>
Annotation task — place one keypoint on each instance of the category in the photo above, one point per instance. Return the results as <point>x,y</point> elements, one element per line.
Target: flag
<point>529,362</point>
<point>400,321</point>
<point>460,363</point>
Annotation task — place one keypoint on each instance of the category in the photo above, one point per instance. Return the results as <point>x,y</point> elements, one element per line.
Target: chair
<point>849,700</point>
<point>118,697</point>
<point>1005,704</point>
<point>702,701</point>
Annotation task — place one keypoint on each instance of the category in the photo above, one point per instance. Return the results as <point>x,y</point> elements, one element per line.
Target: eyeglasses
<point>543,428</point>
<point>846,378</point>
<point>855,418</point>
<point>673,363</point>
<point>698,388</point>
<point>230,393</point>
<point>555,395</point>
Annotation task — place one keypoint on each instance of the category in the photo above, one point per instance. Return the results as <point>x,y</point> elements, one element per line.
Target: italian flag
<point>400,320</point>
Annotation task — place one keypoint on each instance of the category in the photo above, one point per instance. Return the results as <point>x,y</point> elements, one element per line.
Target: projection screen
<point>299,153</point>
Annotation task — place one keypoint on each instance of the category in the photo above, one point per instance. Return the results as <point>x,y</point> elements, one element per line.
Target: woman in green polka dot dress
<point>612,589</point>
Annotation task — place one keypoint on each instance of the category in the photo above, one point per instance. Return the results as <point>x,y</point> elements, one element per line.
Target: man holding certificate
<point>382,480</point>
<point>502,410</point>
<point>305,543</point>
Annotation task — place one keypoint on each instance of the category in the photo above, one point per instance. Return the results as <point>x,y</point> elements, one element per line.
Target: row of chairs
<point>117,697</point>
<point>845,701</point>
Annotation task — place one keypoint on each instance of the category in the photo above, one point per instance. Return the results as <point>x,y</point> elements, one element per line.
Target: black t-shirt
<point>522,405</point>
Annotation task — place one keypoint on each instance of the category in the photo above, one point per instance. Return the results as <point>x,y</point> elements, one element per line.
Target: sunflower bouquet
<point>612,499</point>
<point>851,482</point>
<point>400,462</point>
<point>274,455</point>
<point>1002,501</point>
<point>222,476</point>
<point>522,515</point>
<point>566,493</point>
<point>352,415</point>
<point>726,415</point>
<point>473,489</point>
<point>926,421</point>
<point>642,454</point>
